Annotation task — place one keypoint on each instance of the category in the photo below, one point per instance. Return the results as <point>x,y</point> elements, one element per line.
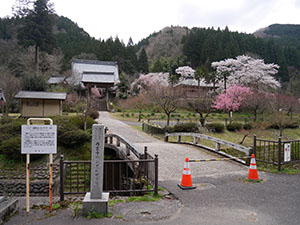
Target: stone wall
<point>13,183</point>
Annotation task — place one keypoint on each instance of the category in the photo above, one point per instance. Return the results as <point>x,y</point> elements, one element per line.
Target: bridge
<point>171,155</point>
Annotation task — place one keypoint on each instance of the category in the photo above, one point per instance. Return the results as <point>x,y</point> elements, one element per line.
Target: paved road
<point>222,196</point>
<point>172,156</point>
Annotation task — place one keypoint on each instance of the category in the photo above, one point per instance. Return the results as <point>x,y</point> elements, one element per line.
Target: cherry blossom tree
<point>247,71</point>
<point>184,72</point>
<point>147,80</point>
<point>232,99</point>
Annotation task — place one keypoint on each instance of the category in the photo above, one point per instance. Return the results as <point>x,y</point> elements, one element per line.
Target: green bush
<point>234,126</point>
<point>11,148</point>
<point>93,114</point>
<point>183,127</point>
<point>5,120</point>
<point>215,127</point>
<point>73,137</point>
<point>248,126</point>
<point>288,124</point>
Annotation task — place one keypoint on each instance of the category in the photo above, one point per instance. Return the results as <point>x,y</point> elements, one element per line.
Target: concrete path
<point>172,156</point>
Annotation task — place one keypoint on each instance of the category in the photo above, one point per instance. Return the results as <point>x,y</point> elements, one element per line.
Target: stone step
<point>8,206</point>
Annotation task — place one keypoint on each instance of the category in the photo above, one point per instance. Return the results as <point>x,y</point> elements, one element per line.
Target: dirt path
<point>172,156</point>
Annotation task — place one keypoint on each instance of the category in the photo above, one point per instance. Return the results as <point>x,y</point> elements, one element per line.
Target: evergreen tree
<point>143,62</point>
<point>37,28</point>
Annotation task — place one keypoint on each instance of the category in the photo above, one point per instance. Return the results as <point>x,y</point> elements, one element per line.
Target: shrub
<point>248,126</point>
<point>11,148</point>
<point>234,126</point>
<point>215,127</point>
<point>289,124</point>
<point>93,114</point>
<point>74,137</point>
<point>183,127</point>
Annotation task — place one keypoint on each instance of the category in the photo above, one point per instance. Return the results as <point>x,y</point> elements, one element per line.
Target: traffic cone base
<point>253,174</point>
<point>186,182</point>
<point>185,187</point>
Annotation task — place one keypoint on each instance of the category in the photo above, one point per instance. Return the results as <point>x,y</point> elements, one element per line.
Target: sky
<point>140,18</point>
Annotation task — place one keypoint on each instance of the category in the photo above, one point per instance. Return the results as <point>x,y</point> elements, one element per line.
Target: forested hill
<point>71,42</point>
<point>201,46</point>
<point>283,34</point>
<point>162,51</point>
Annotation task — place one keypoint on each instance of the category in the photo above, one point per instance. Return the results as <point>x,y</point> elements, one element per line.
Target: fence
<point>243,120</point>
<point>278,152</point>
<point>120,176</point>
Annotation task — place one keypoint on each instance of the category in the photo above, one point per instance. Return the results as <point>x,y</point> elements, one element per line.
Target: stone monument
<point>96,200</point>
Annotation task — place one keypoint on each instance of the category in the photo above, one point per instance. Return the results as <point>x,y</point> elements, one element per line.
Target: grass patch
<point>145,198</point>
<point>246,180</point>
<point>96,215</point>
<point>113,202</point>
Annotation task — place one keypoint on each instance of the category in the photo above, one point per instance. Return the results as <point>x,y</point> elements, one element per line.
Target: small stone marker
<point>96,200</point>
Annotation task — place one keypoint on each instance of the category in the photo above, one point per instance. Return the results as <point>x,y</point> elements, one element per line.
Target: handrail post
<point>61,170</point>
<point>166,137</point>
<point>156,175</point>
<point>179,139</point>
<point>254,145</point>
<point>279,153</point>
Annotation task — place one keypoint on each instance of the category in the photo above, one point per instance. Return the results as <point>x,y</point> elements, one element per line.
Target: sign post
<point>38,139</point>
<point>287,152</point>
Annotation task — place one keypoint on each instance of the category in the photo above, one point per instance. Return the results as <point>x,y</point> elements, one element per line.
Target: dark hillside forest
<point>200,46</point>
<point>73,42</point>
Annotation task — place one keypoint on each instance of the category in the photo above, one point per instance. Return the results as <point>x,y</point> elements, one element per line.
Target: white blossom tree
<point>149,80</point>
<point>184,72</point>
<point>247,71</point>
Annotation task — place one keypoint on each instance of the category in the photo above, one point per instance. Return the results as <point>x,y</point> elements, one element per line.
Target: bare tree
<point>202,105</point>
<point>167,98</point>
<point>256,102</point>
<point>138,102</point>
<point>281,106</point>
<point>10,86</point>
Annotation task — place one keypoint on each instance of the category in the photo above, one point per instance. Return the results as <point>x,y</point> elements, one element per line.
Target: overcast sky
<point>139,18</point>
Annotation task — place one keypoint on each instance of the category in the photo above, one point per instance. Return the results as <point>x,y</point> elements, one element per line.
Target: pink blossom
<point>232,99</point>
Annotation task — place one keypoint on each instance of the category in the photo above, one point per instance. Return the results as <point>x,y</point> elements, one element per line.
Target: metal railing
<point>272,152</point>
<point>120,176</point>
<point>218,142</point>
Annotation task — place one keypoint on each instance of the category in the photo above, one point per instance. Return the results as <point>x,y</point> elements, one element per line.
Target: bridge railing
<point>117,140</point>
<point>121,177</point>
<point>247,151</point>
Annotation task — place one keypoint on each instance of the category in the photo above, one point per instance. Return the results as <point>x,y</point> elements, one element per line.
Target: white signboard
<point>287,152</point>
<point>39,139</point>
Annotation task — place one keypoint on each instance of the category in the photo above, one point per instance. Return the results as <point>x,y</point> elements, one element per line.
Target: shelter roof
<point>41,95</point>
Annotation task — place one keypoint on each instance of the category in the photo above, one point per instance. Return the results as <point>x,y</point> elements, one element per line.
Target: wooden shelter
<point>41,104</point>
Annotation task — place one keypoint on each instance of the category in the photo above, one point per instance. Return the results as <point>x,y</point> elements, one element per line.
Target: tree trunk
<point>36,59</point>
<point>168,120</point>
<point>140,115</point>
<point>255,116</point>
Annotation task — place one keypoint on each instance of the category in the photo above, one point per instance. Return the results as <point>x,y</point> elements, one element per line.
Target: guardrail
<point>247,151</point>
<point>117,140</point>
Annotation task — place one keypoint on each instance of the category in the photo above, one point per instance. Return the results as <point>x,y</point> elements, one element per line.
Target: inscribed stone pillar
<point>96,200</point>
<point>97,161</point>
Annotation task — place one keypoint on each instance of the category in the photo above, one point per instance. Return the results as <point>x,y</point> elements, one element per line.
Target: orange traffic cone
<point>186,182</point>
<point>253,175</point>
